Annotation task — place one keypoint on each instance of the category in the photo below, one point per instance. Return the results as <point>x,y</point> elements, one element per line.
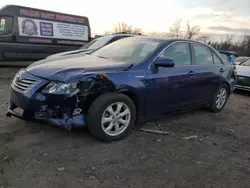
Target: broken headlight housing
<point>60,88</point>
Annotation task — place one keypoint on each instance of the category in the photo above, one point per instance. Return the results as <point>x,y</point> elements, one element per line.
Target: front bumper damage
<point>60,111</point>
<point>66,111</point>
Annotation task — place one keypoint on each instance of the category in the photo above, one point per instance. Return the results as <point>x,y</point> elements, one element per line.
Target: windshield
<point>246,63</point>
<point>241,59</point>
<point>6,25</point>
<point>97,43</point>
<point>130,50</point>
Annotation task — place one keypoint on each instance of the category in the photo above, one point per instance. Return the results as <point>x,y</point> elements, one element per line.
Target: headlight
<point>18,73</point>
<point>60,88</point>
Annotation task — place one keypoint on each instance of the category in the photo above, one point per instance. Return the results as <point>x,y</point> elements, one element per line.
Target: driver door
<point>170,88</point>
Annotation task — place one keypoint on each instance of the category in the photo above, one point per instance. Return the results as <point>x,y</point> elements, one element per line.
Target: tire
<point>99,109</point>
<point>214,106</point>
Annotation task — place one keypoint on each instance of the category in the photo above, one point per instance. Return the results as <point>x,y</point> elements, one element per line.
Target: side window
<point>6,25</point>
<point>179,52</point>
<point>216,59</point>
<point>113,40</point>
<point>122,37</point>
<point>117,38</point>
<point>203,55</point>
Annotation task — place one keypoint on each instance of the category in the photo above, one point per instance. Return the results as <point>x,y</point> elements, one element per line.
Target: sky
<point>213,16</point>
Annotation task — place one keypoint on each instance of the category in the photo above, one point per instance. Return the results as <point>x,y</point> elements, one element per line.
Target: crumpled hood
<point>243,70</point>
<point>72,68</point>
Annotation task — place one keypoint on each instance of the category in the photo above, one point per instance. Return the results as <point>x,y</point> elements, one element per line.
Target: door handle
<point>191,73</point>
<point>221,70</point>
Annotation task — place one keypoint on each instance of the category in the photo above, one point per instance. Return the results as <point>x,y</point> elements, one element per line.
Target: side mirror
<point>164,62</point>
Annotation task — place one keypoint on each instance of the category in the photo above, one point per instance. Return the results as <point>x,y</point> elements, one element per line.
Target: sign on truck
<point>28,33</point>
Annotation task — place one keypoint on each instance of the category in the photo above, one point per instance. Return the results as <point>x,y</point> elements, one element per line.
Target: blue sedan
<point>113,88</point>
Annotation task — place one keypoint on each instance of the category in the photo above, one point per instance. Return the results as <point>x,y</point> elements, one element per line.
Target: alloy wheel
<point>116,119</point>
<point>221,98</point>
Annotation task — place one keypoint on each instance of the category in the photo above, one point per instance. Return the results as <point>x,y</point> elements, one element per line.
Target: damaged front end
<point>62,111</point>
<point>60,104</point>
<point>58,110</point>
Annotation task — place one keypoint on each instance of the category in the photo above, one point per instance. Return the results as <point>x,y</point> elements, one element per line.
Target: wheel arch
<point>228,87</point>
<point>101,85</point>
<point>134,97</point>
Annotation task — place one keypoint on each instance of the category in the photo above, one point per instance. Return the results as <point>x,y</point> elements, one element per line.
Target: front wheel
<point>220,99</point>
<point>111,117</point>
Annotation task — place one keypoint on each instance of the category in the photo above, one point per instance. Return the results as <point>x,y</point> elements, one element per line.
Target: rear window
<point>203,55</point>
<point>6,25</point>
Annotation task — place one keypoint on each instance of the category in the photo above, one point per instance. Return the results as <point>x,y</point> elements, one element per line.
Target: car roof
<point>163,39</point>
<point>167,39</point>
<point>122,34</point>
<point>109,37</point>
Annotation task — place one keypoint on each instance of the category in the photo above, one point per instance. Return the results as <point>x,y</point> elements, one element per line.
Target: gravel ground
<point>217,155</point>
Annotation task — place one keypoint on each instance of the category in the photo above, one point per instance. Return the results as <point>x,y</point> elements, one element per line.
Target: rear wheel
<point>220,99</point>
<point>111,117</point>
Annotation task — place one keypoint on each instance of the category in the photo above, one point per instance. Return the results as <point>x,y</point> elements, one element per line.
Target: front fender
<point>93,85</point>
<point>132,84</point>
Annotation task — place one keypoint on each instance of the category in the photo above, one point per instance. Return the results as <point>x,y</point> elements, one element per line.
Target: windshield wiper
<point>129,67</point>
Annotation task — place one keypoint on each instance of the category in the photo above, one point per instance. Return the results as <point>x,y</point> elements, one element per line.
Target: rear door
<point>208,70</point>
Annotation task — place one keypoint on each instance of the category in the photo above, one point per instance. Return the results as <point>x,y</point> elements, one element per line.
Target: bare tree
<point>122,27</point>
<point>158,34</point>
<point>191,31</point>
<point>227,43</point>
<point>108,32</point>
<point>175,29</point>
<point>245,44</point>
<point>205,39</point>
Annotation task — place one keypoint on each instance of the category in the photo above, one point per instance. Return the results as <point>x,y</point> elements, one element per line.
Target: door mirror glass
<point>164,62</point>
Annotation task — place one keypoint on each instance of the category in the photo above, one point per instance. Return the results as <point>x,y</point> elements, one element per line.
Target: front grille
<point>24,84</point>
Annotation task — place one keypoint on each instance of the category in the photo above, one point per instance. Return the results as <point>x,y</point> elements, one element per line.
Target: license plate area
<point>18,111</point>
